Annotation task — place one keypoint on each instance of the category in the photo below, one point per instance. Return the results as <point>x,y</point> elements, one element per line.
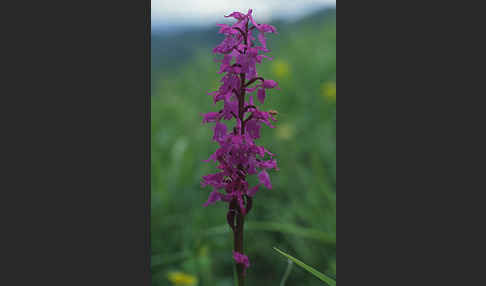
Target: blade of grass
<point>287,272</point>
<point>158,260</point>
<point>235,276</point>
<point>279,227</point>
<point>313,271</point>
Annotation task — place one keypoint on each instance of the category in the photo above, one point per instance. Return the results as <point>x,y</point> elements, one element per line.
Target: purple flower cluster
<point>238,155</point>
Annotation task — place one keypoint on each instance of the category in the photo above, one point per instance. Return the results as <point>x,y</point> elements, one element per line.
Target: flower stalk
<point>238,247</point>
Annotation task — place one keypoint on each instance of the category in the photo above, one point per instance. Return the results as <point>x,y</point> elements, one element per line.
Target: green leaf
<point>158,260</point>
<point>282,228</point>
<point>235,276</point>
<point>313,271</point>
<point>287,272</point>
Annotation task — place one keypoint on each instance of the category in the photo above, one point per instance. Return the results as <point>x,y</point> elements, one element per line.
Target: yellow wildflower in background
<point>328,90</point>
<point>280,68</point>
<point>285,131</point>
<point>182,279</point>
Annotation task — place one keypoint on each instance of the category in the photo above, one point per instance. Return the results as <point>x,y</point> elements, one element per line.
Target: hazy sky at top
<point>176,12</point>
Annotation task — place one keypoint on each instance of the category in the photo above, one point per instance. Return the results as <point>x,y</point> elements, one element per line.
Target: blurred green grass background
<point>299,214</point>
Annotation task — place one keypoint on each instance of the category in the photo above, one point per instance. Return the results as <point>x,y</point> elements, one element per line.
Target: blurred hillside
<point>175,47</point>
<point>299,214</point>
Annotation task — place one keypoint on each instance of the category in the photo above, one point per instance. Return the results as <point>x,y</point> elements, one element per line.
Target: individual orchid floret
<point>241,259</point>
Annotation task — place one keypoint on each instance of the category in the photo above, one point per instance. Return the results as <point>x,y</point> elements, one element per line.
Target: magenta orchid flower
<point>238,156</point>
